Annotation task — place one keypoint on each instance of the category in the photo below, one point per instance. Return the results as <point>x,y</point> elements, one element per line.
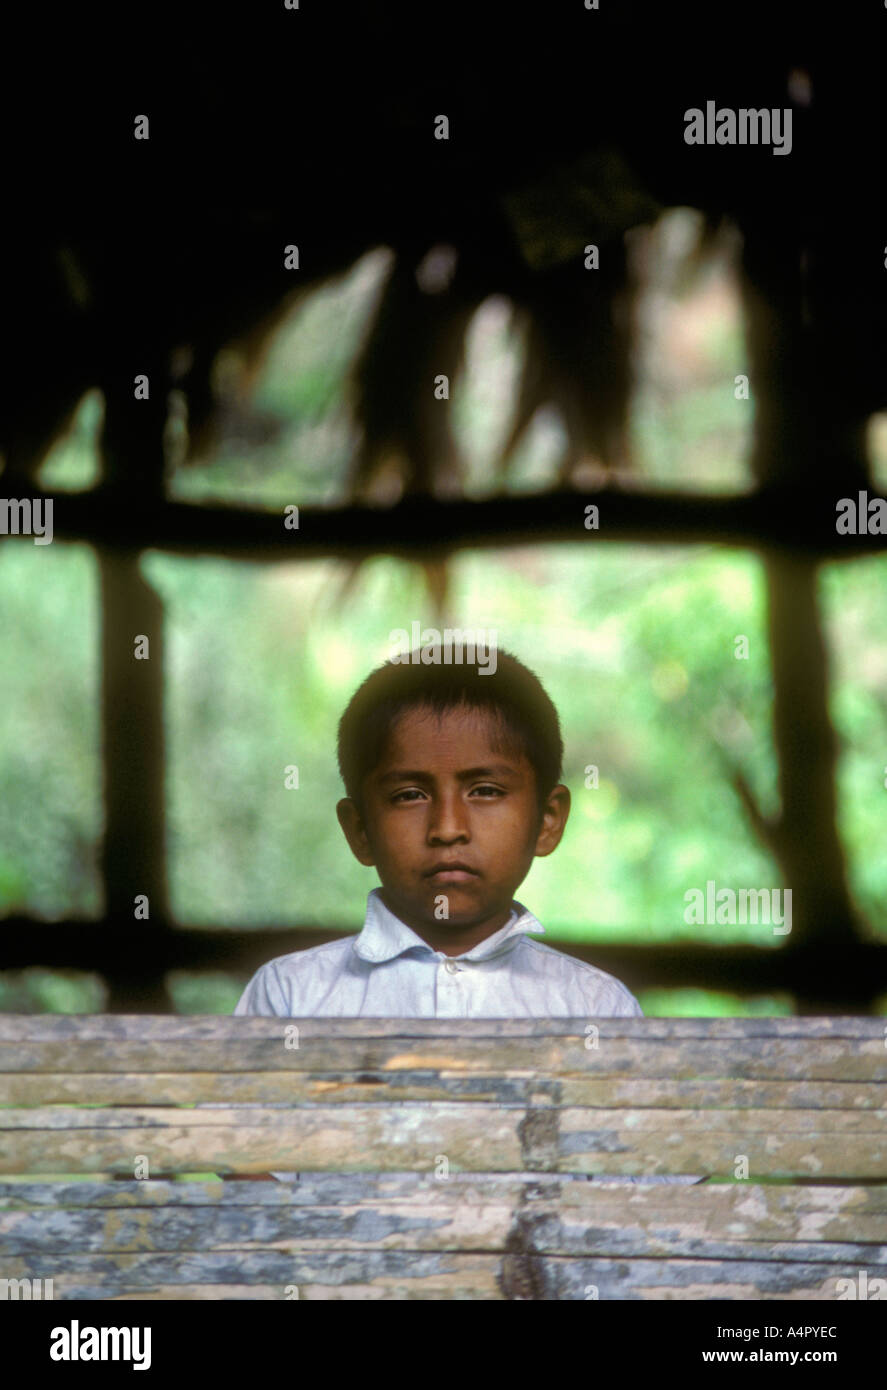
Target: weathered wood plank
<point>423,1274</point>
<point>465,1286</point>
<point>742,1222</point>
<point>142,1027</point>
<point>711,1242</point>
<point>517,1105</point>
<point>312,1189</point>
<point>809,1143</point>
<point>361,1226</point>
<point>550,1278</point>
<point>756,1205</point>
<point>860,1059</point>
<point>191,1293</point>
<point>507,1088</point>
<point>570,1120</point>
<point>259,1140</point>
<point>825,1143</point>
<point>395,1273</point>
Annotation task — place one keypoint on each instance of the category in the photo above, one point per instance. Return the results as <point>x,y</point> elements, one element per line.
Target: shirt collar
<point>385,936</point>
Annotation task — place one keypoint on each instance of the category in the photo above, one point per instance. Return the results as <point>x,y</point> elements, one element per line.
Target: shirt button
<point>451,967</point>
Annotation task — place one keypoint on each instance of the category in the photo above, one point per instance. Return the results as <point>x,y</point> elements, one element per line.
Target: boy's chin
<point>462,909</point>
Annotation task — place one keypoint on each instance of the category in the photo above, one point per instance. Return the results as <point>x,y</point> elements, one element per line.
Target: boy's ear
<point>554,819</point>
<point>352,825</point>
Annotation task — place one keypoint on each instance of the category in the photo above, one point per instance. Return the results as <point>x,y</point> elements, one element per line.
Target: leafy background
<point>635,644</point>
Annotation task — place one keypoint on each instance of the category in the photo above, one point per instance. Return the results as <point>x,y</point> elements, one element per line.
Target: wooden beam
<point>419,526</point>
<point>854,981</point>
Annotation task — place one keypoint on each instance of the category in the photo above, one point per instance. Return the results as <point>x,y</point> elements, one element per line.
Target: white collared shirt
<point>388,971</point>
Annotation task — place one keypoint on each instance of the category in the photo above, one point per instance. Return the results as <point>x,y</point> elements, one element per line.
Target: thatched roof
<point>317,129</point>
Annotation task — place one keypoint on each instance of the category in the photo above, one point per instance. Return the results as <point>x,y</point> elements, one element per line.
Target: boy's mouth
<point>451,871</point>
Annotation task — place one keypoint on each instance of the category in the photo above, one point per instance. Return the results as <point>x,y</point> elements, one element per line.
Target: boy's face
<point>448,815</point>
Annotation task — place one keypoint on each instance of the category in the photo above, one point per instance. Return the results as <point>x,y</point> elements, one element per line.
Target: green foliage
<point>711,1003</point>
<point>205,992</point>
<point>636,645</point>
<point>50,775</point>
<point>37,991</point>
<point>853,601</point>
<point>261,661</point>
<point>72,464</point>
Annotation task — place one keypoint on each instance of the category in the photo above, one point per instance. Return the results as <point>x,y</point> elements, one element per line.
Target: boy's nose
<point>447,822</point>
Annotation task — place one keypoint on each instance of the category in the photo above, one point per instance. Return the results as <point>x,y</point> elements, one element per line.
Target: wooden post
<point>134,851</point>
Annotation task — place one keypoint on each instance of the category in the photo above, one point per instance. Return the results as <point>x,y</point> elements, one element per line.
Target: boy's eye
<point>485,789</point>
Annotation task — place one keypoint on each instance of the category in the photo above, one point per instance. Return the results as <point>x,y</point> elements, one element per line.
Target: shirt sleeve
<point>623,1004</point>
<point>264,995</point>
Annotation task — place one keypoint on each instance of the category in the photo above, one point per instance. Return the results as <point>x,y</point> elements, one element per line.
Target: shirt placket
<point>452,980</point>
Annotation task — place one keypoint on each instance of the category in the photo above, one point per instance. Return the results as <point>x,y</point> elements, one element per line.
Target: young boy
<point>452,774</point>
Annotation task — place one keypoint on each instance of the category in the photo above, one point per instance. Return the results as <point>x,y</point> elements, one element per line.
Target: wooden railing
<point>456,1159</point>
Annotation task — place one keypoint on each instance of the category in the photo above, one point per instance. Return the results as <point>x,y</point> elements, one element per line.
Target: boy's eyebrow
<point>500,770</point>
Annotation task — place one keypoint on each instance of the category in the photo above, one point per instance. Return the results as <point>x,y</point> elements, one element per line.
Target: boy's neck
<point>453,940</point>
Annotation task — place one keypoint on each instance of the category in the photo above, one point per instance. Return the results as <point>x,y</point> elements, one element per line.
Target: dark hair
<point>527,718</point>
